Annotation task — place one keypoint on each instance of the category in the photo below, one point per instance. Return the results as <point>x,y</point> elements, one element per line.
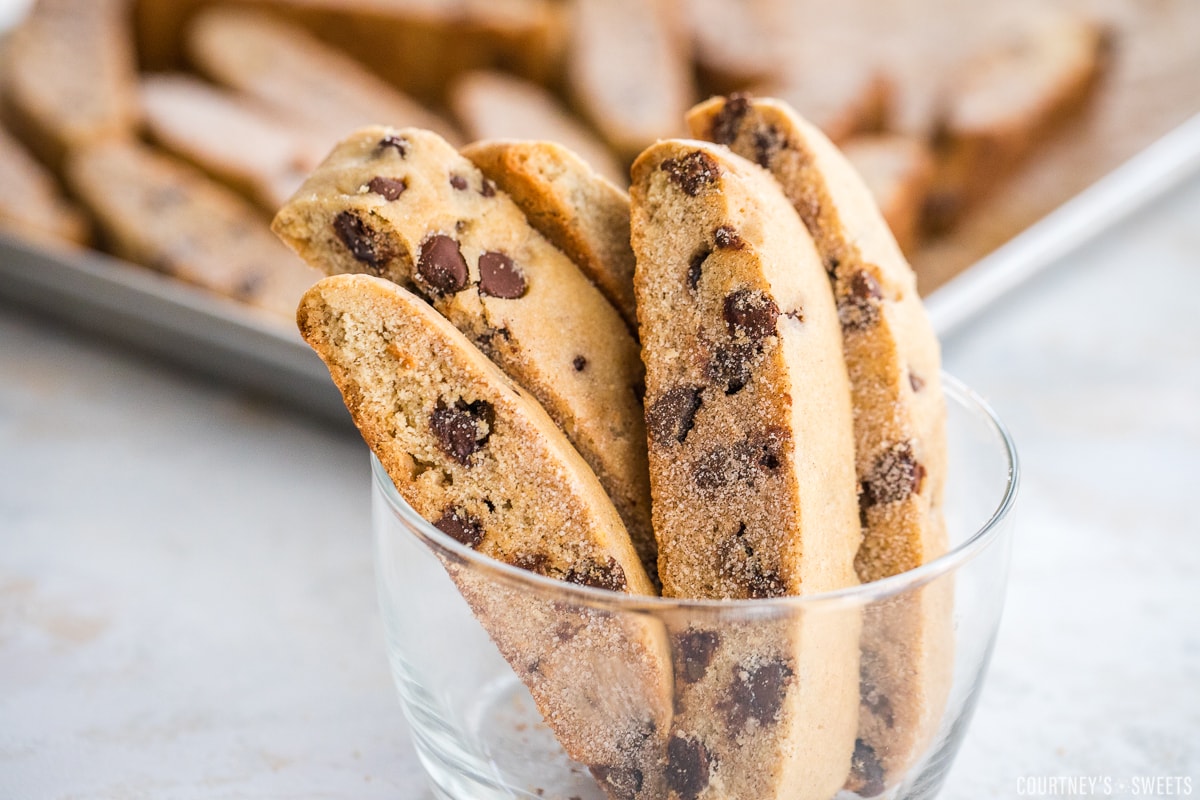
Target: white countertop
<point>187,605</point>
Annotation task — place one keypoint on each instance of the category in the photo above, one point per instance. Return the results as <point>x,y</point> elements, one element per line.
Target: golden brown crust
<point>481,461</point>
<point>580,212</point>
<point>160,212</point>
<point>407,206</point>
<point>751,455</point>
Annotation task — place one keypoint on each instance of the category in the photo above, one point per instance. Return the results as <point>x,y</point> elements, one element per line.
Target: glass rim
<point>858,595</point>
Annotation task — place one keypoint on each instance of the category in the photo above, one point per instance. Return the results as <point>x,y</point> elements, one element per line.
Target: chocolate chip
<point>756,693</point>
<point>580,363</point>
<point>461,527</point>
<point>673,414</point>
<point>387,188</point>
<point>727,238</point>
<point>696,268</point>
<point>695,652</point>
<point>565,630</point>
<point>743,461</point>
<point>687,767</point>
<point>726,122</point>
<point>532,562</point>
<point>500,277</point>
<point>462,428</point>
<point>458,182</point>
<point>915,381</point>
<point>859,307</point>
<point>692,172</point>
<point>442,266</point>
<point>368,246</point>
<point>396,143</point>
<point>488,189</point>
<point>768,141</point>
<point>608,575</point>
<point>865,766</point>
<point>737,562</point>
<point>895,475</point>
<point>620,782</point>
<point>729,366</point>
<point>750,313</point>
<point>876,701</point>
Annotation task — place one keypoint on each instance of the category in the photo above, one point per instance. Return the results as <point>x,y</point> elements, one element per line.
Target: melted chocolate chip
<point>738,562</point>
<point>462,428</point>
<point>751,314</point>
<point>744,461</point>
<point>866,768</point>
<point>756,693</point>
<point>696,267</point>
<point>876,701</point>
<point>396,143</point>
<point>387,188</point>
<point>461,527</point>
<point>488,189</point>
<point>916,382</point>
<point>673,414</point>
<point>500,277</point>
<point>895,475</point>
<point>532,562</point>
<point>580,363</point>
<point>368,246</point>
<point>608,575</point>
<point>621,782</point>
<point>692,172</point>
<point>442,267</point>
<point>726,122</point>
<point>859,307</point>
<point>687,767</point>
<point>458,182</point>
<point>768,141</point>
<point>729,366</point>
<point>727,238</point>
<point>695,652</point>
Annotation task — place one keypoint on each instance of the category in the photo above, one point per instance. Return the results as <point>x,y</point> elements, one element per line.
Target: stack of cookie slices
<point>720,386</point>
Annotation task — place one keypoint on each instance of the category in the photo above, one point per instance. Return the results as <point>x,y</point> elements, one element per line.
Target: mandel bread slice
<point>751,464</point>
<point>405,205</point>
<point>894,362</point>
<point>478,458</point>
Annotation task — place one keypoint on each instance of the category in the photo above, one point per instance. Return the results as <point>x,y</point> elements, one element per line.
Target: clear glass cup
<point>877,682</point>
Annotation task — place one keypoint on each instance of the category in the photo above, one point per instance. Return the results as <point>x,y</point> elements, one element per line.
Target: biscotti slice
<point>166,215</point>
<point>751,464</point>
<point>406,205</point>
<point>580,212</point>
<point>69,76</point>
<point>1005,101</point>
<point>31,203</point>
<point>241,143</point>
<point>894,364</point>
<point>628,69</point>
<point>492,105</point>
<point>898,171</point>
<point>482,462</point>
<point>287,68</point>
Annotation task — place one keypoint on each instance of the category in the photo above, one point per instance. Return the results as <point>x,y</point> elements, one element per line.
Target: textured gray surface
<point>186,592</point>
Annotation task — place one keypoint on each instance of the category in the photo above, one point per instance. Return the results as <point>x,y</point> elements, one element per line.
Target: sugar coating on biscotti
<point>405,205</point>
<point>751,454</point>
<point>480,460</point>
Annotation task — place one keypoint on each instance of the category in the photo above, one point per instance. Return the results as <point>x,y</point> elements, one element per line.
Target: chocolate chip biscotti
<point>160,212</point>
<point>751,465</point>
<point>480,459</point>
<point>405,205</point>
<point>894,362</point>
<point>68,76</point>
<point>580,212</point>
